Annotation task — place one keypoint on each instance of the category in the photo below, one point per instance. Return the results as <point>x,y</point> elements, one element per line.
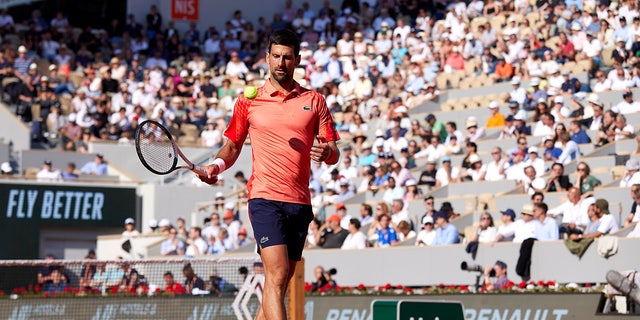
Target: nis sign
<point>185,10</point>
<point>67,203</point>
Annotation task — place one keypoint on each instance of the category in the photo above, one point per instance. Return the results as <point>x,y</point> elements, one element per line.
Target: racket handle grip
<point>199,170</point>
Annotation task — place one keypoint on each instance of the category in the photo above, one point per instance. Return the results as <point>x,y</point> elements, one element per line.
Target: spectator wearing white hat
<point>518,94</point>
<point>474,133</point>
<point>130,228</point>
<point>536,161</point>
<point>6,170</point>
<point>476,171</point>
<point>427,235</point>
<point>631,174</point>
<point>496,119</point>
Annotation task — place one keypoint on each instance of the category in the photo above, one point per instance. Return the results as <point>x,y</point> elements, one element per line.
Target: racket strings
<point>156,148</point>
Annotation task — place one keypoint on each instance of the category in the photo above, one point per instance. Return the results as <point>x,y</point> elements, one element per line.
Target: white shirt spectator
<point>493,170</point>
<point>542,129</point>
<point>625,107</point>
<point>48,175</point>
<point>602,86</point>
<point>441,175</point>
<point>523,230</point>
<point>574,213</point>
<point>355,241</point>
<point>628,128</point>
<point>200,245</point>
<point>608,224</point>
<point>425,238</point>
<point>630,180</point>
<point>395,144</point>
<point>507,231</point>
<point>515,172</point>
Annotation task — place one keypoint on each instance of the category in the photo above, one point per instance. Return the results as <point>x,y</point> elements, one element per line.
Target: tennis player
<point>289,126</point>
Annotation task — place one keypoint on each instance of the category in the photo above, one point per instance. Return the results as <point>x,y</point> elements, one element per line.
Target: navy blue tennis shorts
<point>277,222</point>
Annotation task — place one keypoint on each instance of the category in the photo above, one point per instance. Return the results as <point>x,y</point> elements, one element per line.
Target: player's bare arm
<point>229,153</point>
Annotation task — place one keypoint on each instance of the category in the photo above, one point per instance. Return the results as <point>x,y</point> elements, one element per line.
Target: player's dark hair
<point>285,37</point>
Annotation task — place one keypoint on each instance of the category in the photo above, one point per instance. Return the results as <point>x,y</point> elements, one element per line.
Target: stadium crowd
<point>374,61</point>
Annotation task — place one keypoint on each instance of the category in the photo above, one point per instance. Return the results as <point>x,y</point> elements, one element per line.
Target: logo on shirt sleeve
<point>306,108</point>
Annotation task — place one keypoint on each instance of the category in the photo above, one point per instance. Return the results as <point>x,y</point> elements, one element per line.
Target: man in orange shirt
<point>284,121</point>
<point>496,119</point>
<point>504,70</point>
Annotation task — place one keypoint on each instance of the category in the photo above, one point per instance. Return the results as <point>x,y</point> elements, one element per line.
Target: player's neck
<point>285,86</point>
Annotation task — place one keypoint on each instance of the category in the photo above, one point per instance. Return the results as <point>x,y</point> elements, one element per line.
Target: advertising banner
<point>552,306</point>
<point>185,10</point>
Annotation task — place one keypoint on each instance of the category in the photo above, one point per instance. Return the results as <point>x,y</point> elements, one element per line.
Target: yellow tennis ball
<point>250,92</point>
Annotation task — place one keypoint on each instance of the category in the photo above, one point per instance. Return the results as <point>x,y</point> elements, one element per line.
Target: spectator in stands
<point>546,125</point>
<point>622,130</point>
<point>405,231</point>
<point>331,234</point>
<point>383,230</point>
<point>6,170</point>
<point>70,172</point>
<point>631,174</point>
<point>95,167</point>
<point>633,216</point>
<point>516,170</point>
<point>496,119</point>
<point>393,191</point>
<point>243,238</point>
<point>437,127</point>
<point>506,230</point>
<point>585,182</point>
<point>313,234</point>
<point>98,278</point>
<point>574,212</point>
<point>47,173</point>
<point>551,152</point>
<point>398,212</point>
<point>525,227</point>
<point>500,272</point>
<point>428,176</point>
<point>627,106</point>
<point>537,94</point>
<point>486,231</point>
<point>476,170</point>
<point>131,279</point>
<point>57,284</point>
<point>446,233</point>
<point>601,221</point>
<point>495,169</point>
<point>345,190</point>
<point>473,133</point>
<point>355,239</point>
<point>578,135</point>
<point>192,283</point>
<point>531,182</point>
<point>345,219</point>
<point>222,243</point>
<point>172,246</point>
<point>196,246</point>
<point>558,181</point>
<point>211,231</point>
<point>427,235</point>
<point>447,173</point>
<point>547,227</point>
<point>171,286</point>
<point>504,71</point>
<point>535,161</point>
<point>130,228</point>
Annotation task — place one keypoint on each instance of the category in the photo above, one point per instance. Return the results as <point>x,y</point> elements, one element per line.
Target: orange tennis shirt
<point>282,130</point>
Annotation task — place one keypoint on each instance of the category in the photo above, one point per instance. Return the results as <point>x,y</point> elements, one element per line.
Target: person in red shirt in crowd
<point>454,61</point>
<point>567,50</point>
<point>171,285</point>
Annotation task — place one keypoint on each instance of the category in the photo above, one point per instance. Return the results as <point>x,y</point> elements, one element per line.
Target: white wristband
<point>221,164</point>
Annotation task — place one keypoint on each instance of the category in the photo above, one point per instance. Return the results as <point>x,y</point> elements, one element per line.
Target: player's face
<point>282,62</point>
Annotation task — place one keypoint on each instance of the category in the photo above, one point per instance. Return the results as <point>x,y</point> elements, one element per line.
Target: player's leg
<point>278,270</point>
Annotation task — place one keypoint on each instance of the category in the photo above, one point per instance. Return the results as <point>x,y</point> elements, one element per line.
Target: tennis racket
<point>158,152</point>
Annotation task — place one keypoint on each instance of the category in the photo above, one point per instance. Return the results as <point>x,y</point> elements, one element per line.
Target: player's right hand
<point>212,174</point>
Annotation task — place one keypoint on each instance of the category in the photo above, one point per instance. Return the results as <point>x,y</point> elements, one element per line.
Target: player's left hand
<point>321,151</point>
